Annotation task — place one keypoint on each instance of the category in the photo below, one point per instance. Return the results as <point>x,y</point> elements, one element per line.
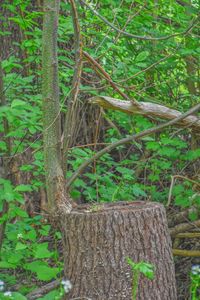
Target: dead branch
<point>92,61</point>
<point>188,235</point>
<point>128,140</point>
<point>186,253</point>
<point>36,294</point>
<point>184,227</point>
<point>146,109</point>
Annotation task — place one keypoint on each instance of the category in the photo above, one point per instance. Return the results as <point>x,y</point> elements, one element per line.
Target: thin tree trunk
<point>6,161</point>
<point>97,241</point>
<point>55,182</point>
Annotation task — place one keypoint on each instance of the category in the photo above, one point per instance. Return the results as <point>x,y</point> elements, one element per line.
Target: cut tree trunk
<point>97,241</point>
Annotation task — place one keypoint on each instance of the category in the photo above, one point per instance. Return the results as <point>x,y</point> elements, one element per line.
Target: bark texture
<point>147,109</point>
<point>97,241</point>
<point>55,181</point>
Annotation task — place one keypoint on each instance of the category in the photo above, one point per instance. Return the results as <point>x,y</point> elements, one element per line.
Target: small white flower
<point>1,285</point>
<point>196,269</point>
<point>66,285</point>
<point>8,294</point>
<point>19,236</point>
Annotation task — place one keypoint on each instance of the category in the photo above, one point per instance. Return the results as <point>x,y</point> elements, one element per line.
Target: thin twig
<point>92,61</point>
<point>146,38</point>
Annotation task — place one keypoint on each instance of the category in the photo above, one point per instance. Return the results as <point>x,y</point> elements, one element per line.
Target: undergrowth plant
<point>195,282</point>
<point>137,269</point>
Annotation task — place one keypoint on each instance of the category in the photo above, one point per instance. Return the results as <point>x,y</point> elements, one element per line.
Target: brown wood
<point>97,240</point>
<point>148,109</point>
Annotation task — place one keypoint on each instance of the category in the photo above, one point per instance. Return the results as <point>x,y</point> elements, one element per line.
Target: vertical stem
<point>135,284</point>
<point>55,182</point>
<point>7,154</point>
<point>71,125</point>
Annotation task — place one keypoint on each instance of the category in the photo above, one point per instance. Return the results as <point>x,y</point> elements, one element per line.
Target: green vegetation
<point>162,167</point>
<point>139,268</point>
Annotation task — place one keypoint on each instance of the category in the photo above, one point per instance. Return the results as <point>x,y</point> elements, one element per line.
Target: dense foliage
<point>161,71</point>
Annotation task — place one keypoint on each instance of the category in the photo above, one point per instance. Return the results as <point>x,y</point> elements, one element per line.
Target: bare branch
<point>128,140</point>
<point>92,61</point>
<point>130,35</point>
<point>184,227</point>
<point>43,290</point>
<point>145,108</point>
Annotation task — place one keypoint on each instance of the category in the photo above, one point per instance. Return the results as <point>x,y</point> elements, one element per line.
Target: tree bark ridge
<point>97,242</point>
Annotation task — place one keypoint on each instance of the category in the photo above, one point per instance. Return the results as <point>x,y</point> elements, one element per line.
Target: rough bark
<point>146,109</point>
<point>97,241</point>
<point>55,181</point>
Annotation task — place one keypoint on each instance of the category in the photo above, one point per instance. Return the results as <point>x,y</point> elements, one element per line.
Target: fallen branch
<point>128,140</point>
<point>186,253</point>
<point>184,227</point>
<point>43,290</point>
<point>146,109</point>
<point>188,235</point>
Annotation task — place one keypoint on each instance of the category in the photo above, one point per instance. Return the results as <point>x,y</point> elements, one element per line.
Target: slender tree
<point>55,181</point>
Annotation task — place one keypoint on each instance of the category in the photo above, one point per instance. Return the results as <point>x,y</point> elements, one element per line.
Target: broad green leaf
<point>23,188</point>
<point>18,296</point>
<point>142,56</point>
<point>20,246</point>
<point>17,103</point>
<point>42,251</point>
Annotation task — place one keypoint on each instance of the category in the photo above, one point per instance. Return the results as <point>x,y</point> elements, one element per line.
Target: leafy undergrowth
<point>30,257</point>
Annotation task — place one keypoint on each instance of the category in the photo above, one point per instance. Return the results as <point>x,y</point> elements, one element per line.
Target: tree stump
<point>97,239</point>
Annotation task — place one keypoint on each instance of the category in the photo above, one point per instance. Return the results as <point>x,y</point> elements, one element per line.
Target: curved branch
<point>145,108</point>
<point>146,38</point>
<point>128,140</point>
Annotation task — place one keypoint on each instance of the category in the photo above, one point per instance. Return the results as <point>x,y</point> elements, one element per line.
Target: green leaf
<point>18,296</point>
<point>23,188</point>
<point>20,246</point>
<point>18,102</point>
<point>43,271</point>
<point>51,296</point>
<point>137,191</point>
<point>142,56</point>
<point>20,212</point>
<point>30,235</point>
<point>42,251</point>
<point>146,269</point>
<point>6,265</point>
<point>3,146</point>
<point>193,216</point>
